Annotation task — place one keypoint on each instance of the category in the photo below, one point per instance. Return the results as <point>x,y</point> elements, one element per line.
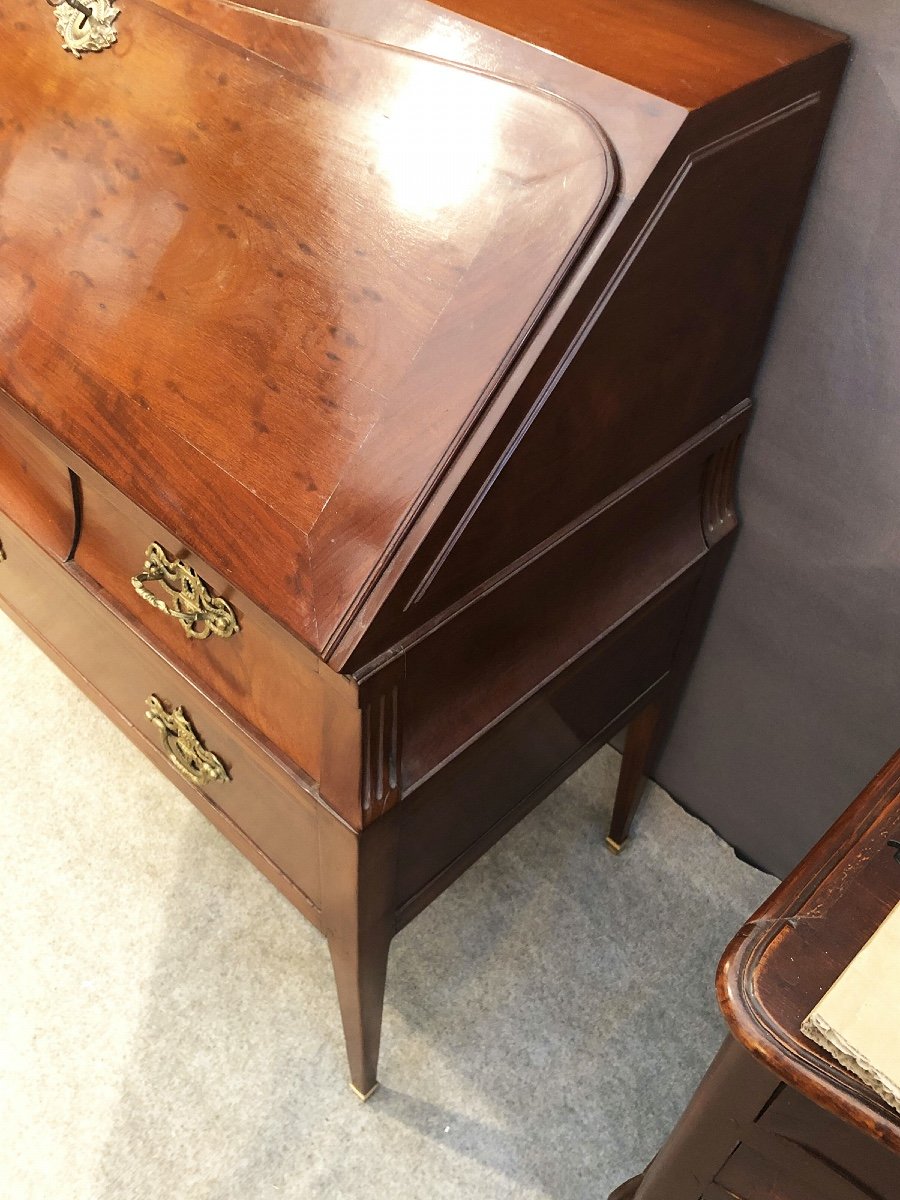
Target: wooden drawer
<point>795,1121</point>
<point>279,818</point>
<point>35,487</point>
<point>260,672</point>
<point>751,1175</point>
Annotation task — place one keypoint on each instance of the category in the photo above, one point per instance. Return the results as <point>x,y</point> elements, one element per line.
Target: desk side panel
<point>456,813</point>
<point>663,339</point>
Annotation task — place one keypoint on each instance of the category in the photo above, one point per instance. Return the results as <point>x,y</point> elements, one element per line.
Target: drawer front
<point>259,672</point>
<point>272,810</point>
<point>751,1175</point>
<point>35,487</point>
<point>793,1120</point>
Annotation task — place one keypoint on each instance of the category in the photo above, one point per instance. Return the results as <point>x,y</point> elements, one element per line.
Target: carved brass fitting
<point>199,611</point>
<point>182,745</point>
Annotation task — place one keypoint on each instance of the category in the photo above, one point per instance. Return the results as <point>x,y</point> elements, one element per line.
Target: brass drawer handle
<point>199,611</point>
<point>183,747</point>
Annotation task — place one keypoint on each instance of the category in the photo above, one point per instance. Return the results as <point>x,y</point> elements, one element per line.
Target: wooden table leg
<point>640,743</point>
<point>647,732</point>
<point>359,958</point>
<point>358,918</point>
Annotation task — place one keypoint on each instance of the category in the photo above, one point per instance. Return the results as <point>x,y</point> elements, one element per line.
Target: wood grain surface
<point>270,273</point>
<point>426,337</point>
<point>775,1115</point>
<point>261,673</point>
<point>36,489</point>
<point>689,52</point>
<point>791,951</point>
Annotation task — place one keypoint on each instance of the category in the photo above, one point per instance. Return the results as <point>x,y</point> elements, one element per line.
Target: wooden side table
<point>775,1116</point>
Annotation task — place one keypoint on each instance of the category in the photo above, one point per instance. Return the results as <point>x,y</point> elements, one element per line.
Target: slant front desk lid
<point>267,304</point>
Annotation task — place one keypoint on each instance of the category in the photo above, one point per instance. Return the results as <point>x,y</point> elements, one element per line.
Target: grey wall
<point>795,700</point>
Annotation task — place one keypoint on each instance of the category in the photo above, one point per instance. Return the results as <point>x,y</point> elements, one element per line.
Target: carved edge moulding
<point>787,1052</point>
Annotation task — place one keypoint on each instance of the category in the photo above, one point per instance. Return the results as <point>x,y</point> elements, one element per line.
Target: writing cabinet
<point>373,378</point>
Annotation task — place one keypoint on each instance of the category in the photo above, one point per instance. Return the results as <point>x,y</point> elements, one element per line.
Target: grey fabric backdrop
<point>795,700</point>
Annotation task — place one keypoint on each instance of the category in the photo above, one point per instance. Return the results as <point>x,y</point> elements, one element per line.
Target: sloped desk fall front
<point>369,420</point>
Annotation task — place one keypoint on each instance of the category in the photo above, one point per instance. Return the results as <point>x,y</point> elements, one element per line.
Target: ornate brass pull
<point>199,611</point>
<point>183,747</point>
<point>2,553</point>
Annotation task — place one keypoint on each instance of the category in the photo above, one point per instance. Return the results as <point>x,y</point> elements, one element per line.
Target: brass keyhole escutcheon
<point>182,745</point>
<point>85,25</point>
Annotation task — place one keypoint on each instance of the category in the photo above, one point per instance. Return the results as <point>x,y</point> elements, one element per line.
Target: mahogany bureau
<point>372,377</point>
<point>776,1116</point>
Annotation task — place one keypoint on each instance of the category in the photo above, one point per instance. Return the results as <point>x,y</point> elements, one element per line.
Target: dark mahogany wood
<point>269,816</point>
<point>647,732</point>
<point>324,313</point>
<point>426,337</point>
<point>36,489</point>
<point>775,1114</point>
<point>691,52</point>
<point>246,670</point>
<point>791,951</point>
<point>640,741</point>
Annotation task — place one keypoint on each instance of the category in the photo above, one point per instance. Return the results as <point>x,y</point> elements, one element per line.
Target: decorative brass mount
<point>199,611</point>
<point>2,553</point>
<point>183,747</point>
<point>85,25</point>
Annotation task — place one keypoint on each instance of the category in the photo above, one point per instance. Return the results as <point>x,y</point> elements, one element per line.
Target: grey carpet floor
<point>169,1027</point>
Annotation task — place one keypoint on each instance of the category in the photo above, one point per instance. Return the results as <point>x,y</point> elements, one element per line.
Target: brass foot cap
<point>614,846</point>
<point>364,1095</point>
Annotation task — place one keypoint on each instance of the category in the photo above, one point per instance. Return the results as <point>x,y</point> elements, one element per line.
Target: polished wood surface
<point>430,349</point>
<point>792,950</point>
<point>690,52</point>
<point>36,489</point>
<point>117,670</point>
<point>490,654</point>
<point>269,29</point>
<point>261,673</point>
<point>274,811</point>
<point>282,310</point>
<point>775,1115</point>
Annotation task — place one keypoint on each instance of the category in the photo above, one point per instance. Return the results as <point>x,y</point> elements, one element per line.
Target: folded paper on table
<point>856,1020</point>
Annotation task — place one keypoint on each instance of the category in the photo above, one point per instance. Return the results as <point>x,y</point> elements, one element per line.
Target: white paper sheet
<point>858,1019</point>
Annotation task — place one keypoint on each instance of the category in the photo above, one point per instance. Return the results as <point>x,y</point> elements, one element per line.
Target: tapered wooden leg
<point>648,730</point>
<point>359,920</point>
<point>640,742</point>
<point>360,971</point>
